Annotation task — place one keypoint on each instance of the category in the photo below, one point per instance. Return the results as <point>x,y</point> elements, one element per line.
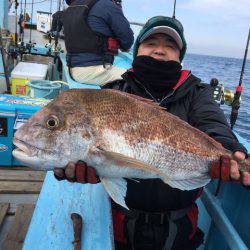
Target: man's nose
<point>159,50</point>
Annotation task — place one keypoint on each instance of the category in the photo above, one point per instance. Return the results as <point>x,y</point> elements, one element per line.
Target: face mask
<point>159,77</point>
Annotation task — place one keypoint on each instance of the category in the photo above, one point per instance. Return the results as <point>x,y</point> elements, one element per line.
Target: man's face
<point>161,47</point>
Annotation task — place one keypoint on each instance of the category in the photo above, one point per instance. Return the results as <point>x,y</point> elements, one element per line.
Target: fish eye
<point>52,122</point>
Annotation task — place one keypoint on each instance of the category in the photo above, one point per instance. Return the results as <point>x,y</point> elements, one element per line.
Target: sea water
<point>227,71</point>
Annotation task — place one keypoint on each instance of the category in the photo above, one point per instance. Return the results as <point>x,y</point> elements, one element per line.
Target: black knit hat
<point>162,24</point>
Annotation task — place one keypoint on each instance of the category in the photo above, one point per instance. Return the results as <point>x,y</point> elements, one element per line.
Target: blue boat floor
<point>51,226</point>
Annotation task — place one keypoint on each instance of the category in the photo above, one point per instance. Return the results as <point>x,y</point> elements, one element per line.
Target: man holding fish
<point>157,75</point>
<point>166,160</point>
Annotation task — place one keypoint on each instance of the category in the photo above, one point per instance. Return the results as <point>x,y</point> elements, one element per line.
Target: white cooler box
<point>25,72</point>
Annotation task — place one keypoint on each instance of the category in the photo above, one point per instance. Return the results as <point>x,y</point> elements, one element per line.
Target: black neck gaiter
<point>158,77</point>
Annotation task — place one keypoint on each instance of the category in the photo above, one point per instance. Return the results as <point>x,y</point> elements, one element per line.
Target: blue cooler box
<point>14,111</point>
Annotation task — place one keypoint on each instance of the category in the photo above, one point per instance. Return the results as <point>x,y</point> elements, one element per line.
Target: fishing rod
<point>3,53</point>
<point>16,6</point>
<point>20,21</point>
<point>174,9</point>
<point>31,21</point>
<point>142,24</point>
<point>237,95</point>
<point>50,22</point>
<point>50,11</point>
<point>24,20</point>
<point>136,23</point>
<point>57,33</point>
<point>42,1</point>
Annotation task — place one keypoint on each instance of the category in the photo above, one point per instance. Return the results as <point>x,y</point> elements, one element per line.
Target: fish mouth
<point>24,147</point>
<point>29,149</point>
<point>30,155</point>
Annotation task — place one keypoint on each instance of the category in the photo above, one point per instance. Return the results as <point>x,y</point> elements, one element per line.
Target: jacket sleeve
<point>119,26</point>
<point>206,115</point>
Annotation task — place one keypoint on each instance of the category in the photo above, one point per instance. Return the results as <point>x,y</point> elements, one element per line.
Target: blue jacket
<point>106,18</point>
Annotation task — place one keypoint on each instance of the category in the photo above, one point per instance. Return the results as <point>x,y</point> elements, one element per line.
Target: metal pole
<point>4,8</point>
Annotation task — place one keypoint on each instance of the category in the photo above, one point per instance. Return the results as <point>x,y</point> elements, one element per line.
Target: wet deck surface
<point>19,190</point>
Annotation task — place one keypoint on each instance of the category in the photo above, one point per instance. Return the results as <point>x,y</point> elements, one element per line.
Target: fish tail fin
<point>245,165</point>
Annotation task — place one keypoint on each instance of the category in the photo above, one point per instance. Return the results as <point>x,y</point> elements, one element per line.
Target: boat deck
<point>19,190</point>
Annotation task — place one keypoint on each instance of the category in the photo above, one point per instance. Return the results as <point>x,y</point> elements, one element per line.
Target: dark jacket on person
<point>191,100</point>
<point>105,18</point>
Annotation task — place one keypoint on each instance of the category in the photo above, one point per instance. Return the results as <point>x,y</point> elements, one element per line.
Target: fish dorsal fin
<point>139,98</point>
<point>117,189</point>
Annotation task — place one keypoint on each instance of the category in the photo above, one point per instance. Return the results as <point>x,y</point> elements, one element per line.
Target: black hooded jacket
<point>191,100</point>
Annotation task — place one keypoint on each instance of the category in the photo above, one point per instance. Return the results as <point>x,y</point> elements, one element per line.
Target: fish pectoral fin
<point>117,189</point>
<point>189,184</point>
<point>126,161</point>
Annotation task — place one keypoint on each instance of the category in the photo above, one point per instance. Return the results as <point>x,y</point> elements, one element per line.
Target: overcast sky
<point>212,27</point>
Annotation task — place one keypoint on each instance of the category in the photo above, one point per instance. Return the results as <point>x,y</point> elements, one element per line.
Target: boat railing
<point>224,214</point>
<point>221,221</point>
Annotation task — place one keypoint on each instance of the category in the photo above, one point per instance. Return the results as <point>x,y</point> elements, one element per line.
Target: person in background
<point>161,217</point>
<point>94,30</point>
